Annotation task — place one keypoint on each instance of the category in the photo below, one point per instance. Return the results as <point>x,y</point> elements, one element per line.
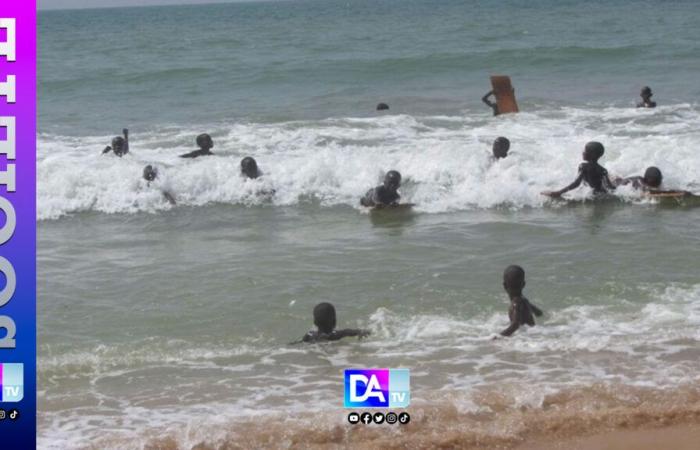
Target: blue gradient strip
<point>20,249</point>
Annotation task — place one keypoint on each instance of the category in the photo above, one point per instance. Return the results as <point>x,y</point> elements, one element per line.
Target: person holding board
<point>505,96</point>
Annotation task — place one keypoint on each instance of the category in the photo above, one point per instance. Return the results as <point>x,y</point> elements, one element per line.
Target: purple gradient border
<point>20,249</point>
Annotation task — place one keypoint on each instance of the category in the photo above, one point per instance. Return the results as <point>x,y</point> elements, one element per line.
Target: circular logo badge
<point>391,418</point>
<point>353,418</point>
<point>366,418</point>
<point>404,418</point>
<point>379,418</point>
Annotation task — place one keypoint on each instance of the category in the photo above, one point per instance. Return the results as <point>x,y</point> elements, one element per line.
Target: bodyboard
<point>669,194</point>
<point>503,90</point>
<point>399,207</point>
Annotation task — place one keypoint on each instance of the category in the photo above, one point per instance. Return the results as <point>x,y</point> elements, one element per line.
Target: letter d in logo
<point>366,388</point>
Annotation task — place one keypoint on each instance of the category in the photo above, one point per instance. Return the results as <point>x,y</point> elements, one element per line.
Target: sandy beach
<point>676,437</point>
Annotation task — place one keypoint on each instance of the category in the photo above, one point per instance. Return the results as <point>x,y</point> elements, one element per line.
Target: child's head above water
<point>514,280</point>
<point>653,177</point>
<point>593,151</point>
<point>249,167</point>
<point>118,145</point>
<point>205,142</point>
<point>500,147</point>
<point>324,317</point>
<point>392,180</point>
<point>150,173</point>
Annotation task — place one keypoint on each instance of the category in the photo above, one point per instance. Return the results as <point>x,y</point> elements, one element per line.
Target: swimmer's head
<point>500,147</point>
<point>205,142</point>
<point>150,173</point>
<point>382,107</point>
<point>514,279</point>
<point>653,177</point>
<point>249,167</point>
<point>646,92</point>
<point>593,151</point>
<point>324,317</point>
<point>118,145</point>
<point>392,180</point>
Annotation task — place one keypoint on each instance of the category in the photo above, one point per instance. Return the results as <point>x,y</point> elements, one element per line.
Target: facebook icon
<point>377,388</point>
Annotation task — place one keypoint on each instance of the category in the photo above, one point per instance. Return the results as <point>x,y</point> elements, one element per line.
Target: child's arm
<point>126,140</point>
<point>368,199</point>
<point>535,310</point>
<point>308,337</point>
<point>348,332</point>
<point>169,197</point>
<point>486,100</point>
<point>514,325</point>
<point>106,150</point>
<point>576,183</point>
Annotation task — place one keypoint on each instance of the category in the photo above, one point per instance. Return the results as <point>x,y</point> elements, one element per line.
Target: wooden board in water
<point>401,207</point>
<point>505,97</point>
<point>669,194</point>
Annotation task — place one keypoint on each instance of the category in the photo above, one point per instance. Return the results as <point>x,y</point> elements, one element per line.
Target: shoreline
<point>587,418</point>
<point>673,437</point>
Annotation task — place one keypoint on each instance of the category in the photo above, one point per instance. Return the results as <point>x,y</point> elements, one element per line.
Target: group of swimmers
<point>521,312</point>
<point>645,93</point>
<point>590,172</point>
<point>120,147</point>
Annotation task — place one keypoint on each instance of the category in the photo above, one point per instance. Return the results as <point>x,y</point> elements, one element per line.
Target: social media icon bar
<point>11,382</point>
<point>377,388</point>
<point>378,418</point>
<point>366,418</point>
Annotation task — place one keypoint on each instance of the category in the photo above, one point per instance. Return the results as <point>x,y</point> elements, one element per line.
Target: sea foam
<point>445,160</point>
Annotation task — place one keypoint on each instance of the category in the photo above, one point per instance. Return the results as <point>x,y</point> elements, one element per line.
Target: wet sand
<point>677,437</point>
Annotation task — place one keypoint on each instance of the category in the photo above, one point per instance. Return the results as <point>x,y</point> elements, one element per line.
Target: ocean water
<point>168,326</point>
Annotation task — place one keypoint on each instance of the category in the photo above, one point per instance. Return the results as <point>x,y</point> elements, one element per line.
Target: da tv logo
<point>377,388</point>
<point>11,382</point>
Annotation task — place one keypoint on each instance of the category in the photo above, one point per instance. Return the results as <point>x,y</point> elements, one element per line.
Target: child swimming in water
<point>590,172</point>
<point>120,145</point>
<point>385,194</point>
<point>500,147</point>
<point>650,181</point>
<point>150,173</point>
<point>324,319</point>
<point>521,310</point>
<point>249,168</point>
<point>205,144</point>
